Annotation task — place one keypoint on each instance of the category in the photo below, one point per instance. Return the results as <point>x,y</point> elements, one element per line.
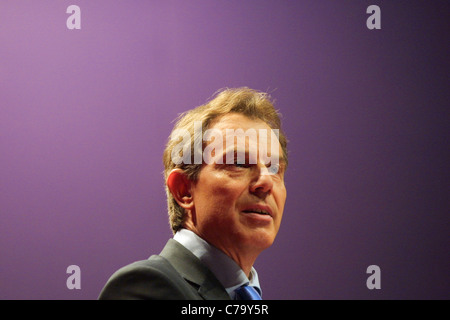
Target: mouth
<point>259,210</point>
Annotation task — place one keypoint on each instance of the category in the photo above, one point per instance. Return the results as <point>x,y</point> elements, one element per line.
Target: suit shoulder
<point>153,279</point>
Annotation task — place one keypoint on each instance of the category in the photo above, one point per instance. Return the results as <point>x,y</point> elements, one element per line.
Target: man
<point>224,171</point>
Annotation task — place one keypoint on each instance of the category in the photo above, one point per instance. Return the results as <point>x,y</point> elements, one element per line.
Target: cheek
<point>280,200</point>
<point>216,213</point>
<point>215,200</point>
<point>219,187</point>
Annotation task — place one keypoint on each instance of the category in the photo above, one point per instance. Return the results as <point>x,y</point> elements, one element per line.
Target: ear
<point>180,187</point>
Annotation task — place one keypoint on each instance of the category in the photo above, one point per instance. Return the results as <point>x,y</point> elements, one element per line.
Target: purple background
<point>85,114</point>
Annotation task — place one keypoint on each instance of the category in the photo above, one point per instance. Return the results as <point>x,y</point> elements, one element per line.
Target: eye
<point>275,168</point>
<point>241,161</point>
<point>237,167</point>
<point>242,165</point>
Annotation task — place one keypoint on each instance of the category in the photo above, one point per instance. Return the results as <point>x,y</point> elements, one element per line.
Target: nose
<point>262,183</point>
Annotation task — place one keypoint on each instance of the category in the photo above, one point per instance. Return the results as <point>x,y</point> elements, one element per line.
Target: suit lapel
<point>194,271</point>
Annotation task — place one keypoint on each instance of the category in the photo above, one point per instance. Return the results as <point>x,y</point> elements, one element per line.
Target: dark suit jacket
<point>174,274</point>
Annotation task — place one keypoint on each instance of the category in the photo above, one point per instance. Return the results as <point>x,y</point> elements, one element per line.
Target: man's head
<point>225,198</point>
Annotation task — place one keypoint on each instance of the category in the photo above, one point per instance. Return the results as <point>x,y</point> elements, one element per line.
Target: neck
<point>244,257</point>
<point>245,261</point>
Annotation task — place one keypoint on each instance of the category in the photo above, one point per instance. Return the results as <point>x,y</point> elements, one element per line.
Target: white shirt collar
<point>226,270</point>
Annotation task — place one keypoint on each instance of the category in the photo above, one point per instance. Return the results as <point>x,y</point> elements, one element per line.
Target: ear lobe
<point>180,186</point>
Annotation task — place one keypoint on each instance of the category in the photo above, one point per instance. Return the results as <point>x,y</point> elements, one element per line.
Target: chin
<point>260,239</point>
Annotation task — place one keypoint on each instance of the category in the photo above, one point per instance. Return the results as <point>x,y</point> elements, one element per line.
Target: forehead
<point>239,126</point>
<point>238,121</point>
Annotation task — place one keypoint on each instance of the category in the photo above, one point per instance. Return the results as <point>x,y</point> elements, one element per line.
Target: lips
<point>259,209</point>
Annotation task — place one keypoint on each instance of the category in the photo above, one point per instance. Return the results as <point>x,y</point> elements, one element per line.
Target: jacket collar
<point>194,271</point>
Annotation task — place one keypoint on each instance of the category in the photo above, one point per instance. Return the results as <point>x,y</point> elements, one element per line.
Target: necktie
<point>247,293</point>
